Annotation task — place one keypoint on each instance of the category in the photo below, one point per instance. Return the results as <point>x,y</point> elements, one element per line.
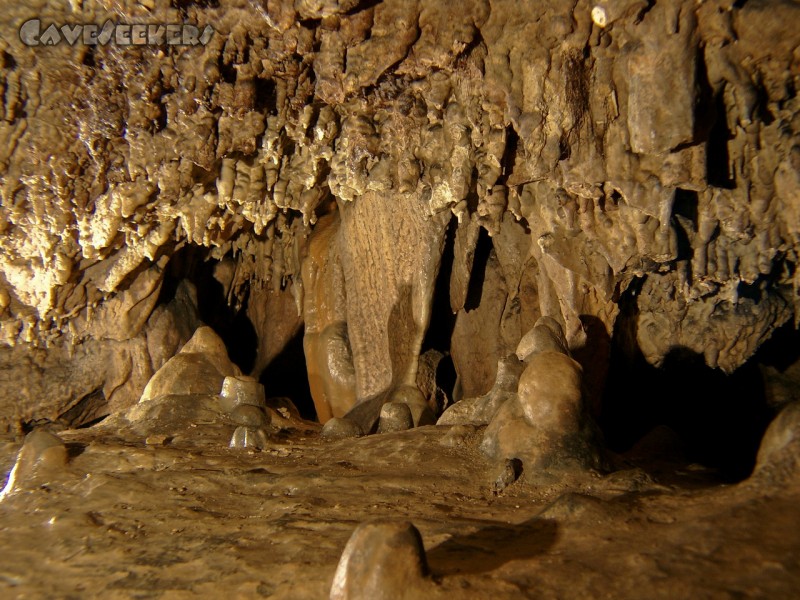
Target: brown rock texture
<point>382,560</point>
<point>605,149</point>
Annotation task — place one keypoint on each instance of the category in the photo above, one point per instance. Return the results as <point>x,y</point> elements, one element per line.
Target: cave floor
<point>193,518</point>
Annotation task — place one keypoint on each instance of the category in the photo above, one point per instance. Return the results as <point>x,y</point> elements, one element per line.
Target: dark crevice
<point>440,330</point>
<point>287,376</point>
<point>443,320</point>
<point>160,122</point>
<point>227,71</point>
<point>685,250</point>
<point>642,13</point>
<point>266,100</point>
<point>509,155</point>
<point>564,150</point>
<point>230,323</point>
<point>312,24</point>
<point>183,5</point>
<point>717,156</point>
<point>362,6</point>
<point>8,61</point>
<point>685,205</point>
<point>719,419</point>
<point>87,411</point>
<point>483,249</point>
<point>88,59</point>
<point>782,350</point>
<point>762,285</point>
<point>749,291</point>
<point>476,42</point>
<point>472,196</point>
<point>684,210</point>
<point>705,108</point>
<point>761,110</point>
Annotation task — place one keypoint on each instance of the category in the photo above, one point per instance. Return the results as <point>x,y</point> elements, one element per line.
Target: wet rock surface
<point>340,428</point>
<point>545,424</point>
<point>382,560</point>
<point>481,410</point>
<point>200,367</point>
<point>395,416</point>
<point>778,460</point>
<point>43,456</point>
<point>194,517</point>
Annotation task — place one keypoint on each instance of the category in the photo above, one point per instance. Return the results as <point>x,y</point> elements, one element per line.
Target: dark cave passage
<point>443,320</point>
<point>440,328</point>
<point>230,322</point>
<point>286,376</point>
<point>483,250</point>
<point>716,420</point>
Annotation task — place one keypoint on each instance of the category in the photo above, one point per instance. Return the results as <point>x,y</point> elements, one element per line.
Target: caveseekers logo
<point>33,33</point>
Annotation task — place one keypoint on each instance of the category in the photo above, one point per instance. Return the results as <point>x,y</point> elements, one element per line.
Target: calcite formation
<point>400,298</point>
<point>382,560</point>
<point>41,458</point>
<point>573,155</point>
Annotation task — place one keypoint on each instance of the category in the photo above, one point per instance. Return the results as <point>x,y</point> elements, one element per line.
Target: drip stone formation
<point>400,299</point>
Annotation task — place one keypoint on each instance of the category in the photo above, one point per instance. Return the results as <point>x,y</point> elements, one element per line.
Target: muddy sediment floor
<point>190,517</point>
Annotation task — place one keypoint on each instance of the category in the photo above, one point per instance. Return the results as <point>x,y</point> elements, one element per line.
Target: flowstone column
<point>391,250</point>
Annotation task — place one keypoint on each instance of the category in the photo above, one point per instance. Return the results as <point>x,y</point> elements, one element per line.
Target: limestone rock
<point>171,325</point>
<point>479,411</point>
<point>249,416</point>
<point>276,321</point>
<point>339,428</point>
<point>173,413</point>
<point>199,368</point>
<point>241,390</point>
<point>205,341</point>
<point>550,392</point>
<point>430,362</point>
<point>395,416</point>
<point>458,436</point>
<point>743,323</point>
<point>663,174</point>
<point>249,437</point>
<point>546,336</point>
<point>546,425</point>
<point>331,374</point>
<point>389,293</point>
<point>778,460</point>
<point>382,561</point>
<point>476,344</point>
<point>411,396</point>
<point>43,456</point>
<point>366,413</point>
<point>326,343</point>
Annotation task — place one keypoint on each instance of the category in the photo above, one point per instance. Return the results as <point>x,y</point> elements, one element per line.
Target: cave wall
<point>598,144</point>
